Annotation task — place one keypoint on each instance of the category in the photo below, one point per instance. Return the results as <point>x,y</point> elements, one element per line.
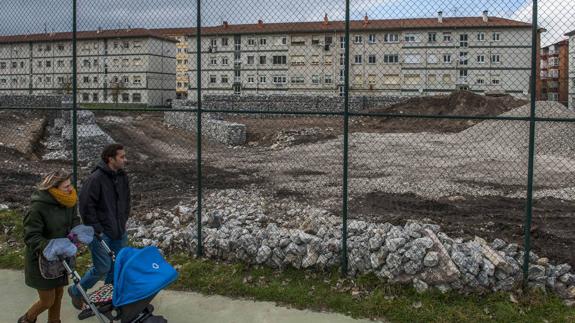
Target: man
<point>105,205</point>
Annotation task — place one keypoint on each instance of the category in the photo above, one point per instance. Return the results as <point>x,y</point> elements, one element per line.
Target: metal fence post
<point>345,145</point>
<point>199,250</point>
<point>74,94</point>
<point>529,202</point>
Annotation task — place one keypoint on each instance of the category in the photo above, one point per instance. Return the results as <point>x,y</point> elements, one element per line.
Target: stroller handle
<point>104,245</point>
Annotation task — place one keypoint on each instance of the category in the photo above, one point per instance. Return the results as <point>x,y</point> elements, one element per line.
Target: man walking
<point>105,205</point>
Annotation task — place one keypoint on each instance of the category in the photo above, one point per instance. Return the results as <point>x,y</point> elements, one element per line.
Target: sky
<point>33,16</point>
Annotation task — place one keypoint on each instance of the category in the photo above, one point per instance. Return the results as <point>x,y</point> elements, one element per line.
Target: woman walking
<point>51,216</point>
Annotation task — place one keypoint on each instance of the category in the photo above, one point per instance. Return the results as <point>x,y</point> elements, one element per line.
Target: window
<point>38,64</point>
<point>495,58</point>
<point>95,63</point>
<point>262,60</point>
<point>496,36</point>
<point>60,47</point>
<point>39,48</point>
<point>327,79</point>
<point>136,98</point>
<point>410,38</point>
<point>125,62</point>
<point>481,59</point>
<point>371,79</point>
<point>251,60</point>
<point>60,79</point>
<point>431,79</point>
<point>251,79</point>
<point>481,36</point>
<point>126,44</point>
<point>251,42</point>
<point>86,63</point>
<point>342,42</point>
<point>446,78</point>
<point>280,60</point>
<point>412,59</point>
<point>432,37</point>
<point>137,80</point>
<point>463,59</point>
<point>126,79</point>
<point>224,79</point>
<point>315,79</point>
<point>213,79</point>
<point>358,79</point>
<point>412,79</point>
<point>463,75</point>
<point>314,59</point>
<point>447,58</point>
<point>115,44</point>
<point>85,97</point>
<point>327,60</point>
<point>284,41</point>
<point>315,40</point>
<point>94,97</point>
<point>432,59</point>
<point>224,41</point>
<point>2,65</point>
<point>328,40</point>
<point>263,41</point>
<point>48,80</point>
<point>297,60</point>
<point>137,62</point>
<point>495,79</point>
<point>297,40</point>
<point>358,39</point>
<point>391,58</point>
<point>116,62</point>
<point>371,39</point>
<point>125,97</point>
<point>480,80</point>
<point>262,79</point>
<point>341,59</point>
<point>447,37</point>
<point>391,38</point>
<point>213,42</point>
<point>48,48</point>
<point>371,59</point>
<point>357,59</point>
<point>279,79</point>
<point>15,65</point>
<point>137,44</point>
<point>463,40</point>
<point>297,79</point>
<point>390,79</point>
<point>95,79</point>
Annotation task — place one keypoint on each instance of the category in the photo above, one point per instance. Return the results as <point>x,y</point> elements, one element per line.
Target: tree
<point>117,88</point>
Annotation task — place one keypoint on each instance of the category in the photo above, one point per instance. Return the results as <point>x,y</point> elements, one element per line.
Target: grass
<point>362,297</point>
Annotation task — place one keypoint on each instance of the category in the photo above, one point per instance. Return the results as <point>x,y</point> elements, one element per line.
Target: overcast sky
<point>32,16</point>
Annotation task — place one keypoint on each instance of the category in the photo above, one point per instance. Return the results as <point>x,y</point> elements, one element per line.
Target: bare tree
<point>66,86</point>
<point>117,88</point>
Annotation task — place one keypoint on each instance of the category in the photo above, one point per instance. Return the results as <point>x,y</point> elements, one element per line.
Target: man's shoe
<point>24,319</point>
<point>77,301</point>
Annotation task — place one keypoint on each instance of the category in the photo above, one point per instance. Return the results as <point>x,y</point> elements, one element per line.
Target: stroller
<point>139,274</point>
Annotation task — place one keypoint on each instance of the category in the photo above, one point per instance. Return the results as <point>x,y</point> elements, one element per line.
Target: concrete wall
<point>31,101</point>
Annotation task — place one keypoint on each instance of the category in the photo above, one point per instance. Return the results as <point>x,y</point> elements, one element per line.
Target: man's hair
<point>110,151</point>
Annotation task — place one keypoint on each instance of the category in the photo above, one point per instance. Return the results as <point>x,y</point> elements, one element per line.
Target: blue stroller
<point>139,274</point>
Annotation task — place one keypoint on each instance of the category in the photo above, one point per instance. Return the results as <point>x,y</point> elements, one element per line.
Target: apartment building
<point>387,57</point>
<point>554,66</point>
<point>124,65</point>
<point>571,71</point>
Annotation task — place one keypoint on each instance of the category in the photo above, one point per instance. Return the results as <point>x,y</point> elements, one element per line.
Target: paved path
<point>177,307</point>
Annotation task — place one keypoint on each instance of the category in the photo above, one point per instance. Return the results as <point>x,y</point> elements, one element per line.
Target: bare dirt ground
<point>469,182</point>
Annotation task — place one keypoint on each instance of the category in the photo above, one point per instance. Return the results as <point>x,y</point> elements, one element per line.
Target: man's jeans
<point>101,263</point>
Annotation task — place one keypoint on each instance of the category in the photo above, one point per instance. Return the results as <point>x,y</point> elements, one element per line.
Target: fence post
<point>199,250</point>
<point>345,145</point>
<point>74,95</point>
<point>529,202</point>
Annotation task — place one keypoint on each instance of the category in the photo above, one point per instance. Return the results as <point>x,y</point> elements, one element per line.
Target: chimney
<point>325,20</point>
<point>260,23</point>
<point>365,20</point>
<point>225,24</point>
<point>440,17</point>
<point>485,18</point>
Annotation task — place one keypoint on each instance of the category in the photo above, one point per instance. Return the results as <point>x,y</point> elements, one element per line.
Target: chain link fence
<point>426,142</point>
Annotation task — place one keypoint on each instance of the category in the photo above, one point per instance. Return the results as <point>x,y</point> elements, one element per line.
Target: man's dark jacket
<point>105,201</point>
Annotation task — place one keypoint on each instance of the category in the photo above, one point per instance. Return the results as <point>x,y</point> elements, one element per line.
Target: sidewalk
<point>177,307</point>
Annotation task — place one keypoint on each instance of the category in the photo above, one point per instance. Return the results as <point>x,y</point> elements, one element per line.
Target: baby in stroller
<point>139,274</point>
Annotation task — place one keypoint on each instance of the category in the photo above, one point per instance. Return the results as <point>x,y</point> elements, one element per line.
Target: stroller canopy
<point>139,274</point>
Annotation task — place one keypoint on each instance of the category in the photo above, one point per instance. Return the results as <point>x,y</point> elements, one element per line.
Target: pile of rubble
<point>244,227</point>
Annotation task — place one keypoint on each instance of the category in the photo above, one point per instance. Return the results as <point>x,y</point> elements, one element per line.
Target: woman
<point>52,215</point>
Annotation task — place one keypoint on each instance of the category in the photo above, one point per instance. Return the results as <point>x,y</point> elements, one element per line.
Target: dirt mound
<point>462,103</point>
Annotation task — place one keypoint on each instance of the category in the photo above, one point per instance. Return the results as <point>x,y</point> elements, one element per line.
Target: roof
<point>356,25</point>
<point>84,35</point>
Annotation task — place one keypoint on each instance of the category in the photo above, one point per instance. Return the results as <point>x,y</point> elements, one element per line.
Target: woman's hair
<point>53,179</point>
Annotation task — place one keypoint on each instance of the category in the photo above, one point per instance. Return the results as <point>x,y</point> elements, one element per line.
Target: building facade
<point>124,66</point>
<point>387,57</point>
<point>571,71</point>
<point>555,72</point>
